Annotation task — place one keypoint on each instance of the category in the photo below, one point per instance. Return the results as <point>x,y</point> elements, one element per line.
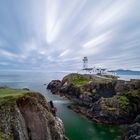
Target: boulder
<point>54,86</point>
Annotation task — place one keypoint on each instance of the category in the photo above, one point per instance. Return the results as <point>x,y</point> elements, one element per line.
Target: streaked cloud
<point>97,40</point>
<point>57,34</point>
<point>64,53</point>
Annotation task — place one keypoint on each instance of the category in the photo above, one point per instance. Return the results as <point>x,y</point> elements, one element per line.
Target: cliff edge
<point>25,115</point>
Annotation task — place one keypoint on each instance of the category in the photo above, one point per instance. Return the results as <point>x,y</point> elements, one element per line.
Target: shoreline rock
<point>100,100</point>
<point>132,132</point>
<point>105,98</point>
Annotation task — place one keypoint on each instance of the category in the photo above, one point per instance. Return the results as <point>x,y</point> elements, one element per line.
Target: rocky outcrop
<point>122,85</point>
<point>89,89</point>
<point>120,109</point>
<point>103,101</point>
<point>82,87</point>
<point>132,132</point>
<point>29,117</point>
<point>54,86</point>
<point>115,110</point>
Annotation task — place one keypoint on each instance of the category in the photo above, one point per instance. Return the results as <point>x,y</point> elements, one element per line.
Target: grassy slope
<point>8,94</point>
<point>4,92</point>
<point>8,98</point>
<point>77,79</point>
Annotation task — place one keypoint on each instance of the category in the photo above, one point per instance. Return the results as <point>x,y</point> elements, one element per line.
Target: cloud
<point>57,34</point>
<point>114,12</point>
<point>64,53</point>
<point>7,54</point>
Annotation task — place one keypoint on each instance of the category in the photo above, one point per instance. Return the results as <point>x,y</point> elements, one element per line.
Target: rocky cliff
<point>103,100</point>
<point>25,115</point>
<point>84,87</point>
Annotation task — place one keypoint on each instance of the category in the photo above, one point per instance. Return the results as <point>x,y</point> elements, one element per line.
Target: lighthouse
<point>85,62</point>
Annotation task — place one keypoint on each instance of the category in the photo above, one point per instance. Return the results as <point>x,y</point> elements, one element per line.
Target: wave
<point>61,101</point>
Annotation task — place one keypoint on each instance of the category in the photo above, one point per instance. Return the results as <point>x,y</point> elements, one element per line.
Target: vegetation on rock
<point>103,100</point>
<point>111,101</point>
<point>76,79</point>
<point>123,102</point>
<point>132,93</point>
<point>25,115</point>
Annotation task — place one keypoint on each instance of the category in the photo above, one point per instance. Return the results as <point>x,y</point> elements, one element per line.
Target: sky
<point>54,35</point>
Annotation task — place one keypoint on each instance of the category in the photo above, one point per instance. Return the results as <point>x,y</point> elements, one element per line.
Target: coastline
<point>77,106</point>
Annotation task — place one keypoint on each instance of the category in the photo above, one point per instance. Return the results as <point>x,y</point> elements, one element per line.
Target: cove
<point>76,126</point>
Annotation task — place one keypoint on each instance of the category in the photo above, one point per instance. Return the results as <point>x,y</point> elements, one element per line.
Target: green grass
<point>4,92</point>
<point>8,94</point>
<point>132,93</point>
<point>8,98</point>
<point>77,79</point>
<point>123,102</point>
<point>80,81</point>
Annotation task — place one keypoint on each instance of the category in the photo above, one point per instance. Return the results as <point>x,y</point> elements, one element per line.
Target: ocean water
<point>128,77</point>
<point>77,127</point>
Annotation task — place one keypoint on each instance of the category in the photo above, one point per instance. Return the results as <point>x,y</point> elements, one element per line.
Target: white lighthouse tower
<point>85,62</point>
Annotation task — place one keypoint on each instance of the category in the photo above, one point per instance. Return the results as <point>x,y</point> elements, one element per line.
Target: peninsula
<point>102,100</point>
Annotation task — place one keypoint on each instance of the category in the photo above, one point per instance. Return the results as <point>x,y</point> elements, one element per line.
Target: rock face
<point>109,101</point>
<point>55,86</point>
<point>132,132</point>
<point>29,117</point>
<point>103,101</point>
<point>82,87</point>
<point>122,85</point>
<point>112,110</point>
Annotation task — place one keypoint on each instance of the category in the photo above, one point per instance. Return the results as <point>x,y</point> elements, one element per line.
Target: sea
<point>77,127</point>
